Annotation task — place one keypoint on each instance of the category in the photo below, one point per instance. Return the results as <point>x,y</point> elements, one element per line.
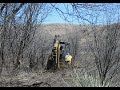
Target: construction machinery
<point>60,55</point>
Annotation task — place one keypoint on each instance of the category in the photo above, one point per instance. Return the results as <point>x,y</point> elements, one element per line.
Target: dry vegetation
<point>25,46</point>
<point>84,64</point>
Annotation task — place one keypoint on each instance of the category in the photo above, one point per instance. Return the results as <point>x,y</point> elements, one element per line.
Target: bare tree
<point>16,37</point>
<point>105,48</point>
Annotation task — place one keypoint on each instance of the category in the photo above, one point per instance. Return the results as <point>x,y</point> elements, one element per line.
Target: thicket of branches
<point>104,40</point>
<point>21,46</point>
<point>18,25</point>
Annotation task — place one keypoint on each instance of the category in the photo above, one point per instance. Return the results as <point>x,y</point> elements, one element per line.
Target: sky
<point>54,17</point>
<point>94,17</point>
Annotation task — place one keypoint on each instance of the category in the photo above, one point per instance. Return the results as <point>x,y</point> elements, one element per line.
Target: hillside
<point>78,36</point>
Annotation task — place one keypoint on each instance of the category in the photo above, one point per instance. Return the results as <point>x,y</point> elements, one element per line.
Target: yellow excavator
<point>60,55</point>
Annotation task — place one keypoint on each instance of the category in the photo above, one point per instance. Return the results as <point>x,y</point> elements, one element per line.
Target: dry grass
<point>60,78</point>
<point>76,78</point>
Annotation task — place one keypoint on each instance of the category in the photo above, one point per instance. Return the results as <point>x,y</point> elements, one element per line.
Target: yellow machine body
<point>68,58</point>
<point>55,61</point>
<point>57,48</point>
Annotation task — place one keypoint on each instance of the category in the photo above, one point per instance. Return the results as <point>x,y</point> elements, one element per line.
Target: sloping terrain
<point>63,77</point>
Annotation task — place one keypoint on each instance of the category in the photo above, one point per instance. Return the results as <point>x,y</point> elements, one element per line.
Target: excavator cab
<point>60,54</point>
